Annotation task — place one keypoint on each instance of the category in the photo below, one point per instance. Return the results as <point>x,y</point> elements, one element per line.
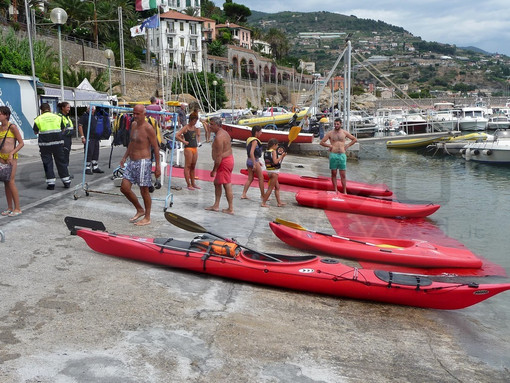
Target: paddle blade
<point>184,223</point>
<point>293,133</point>
<point>290,224</point>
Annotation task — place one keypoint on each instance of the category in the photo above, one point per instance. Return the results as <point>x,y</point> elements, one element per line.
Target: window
<point>182,41</point>
<point>170,42</point>
<point>188,3</point>
<point>181,26</point>
<point>193,58</point>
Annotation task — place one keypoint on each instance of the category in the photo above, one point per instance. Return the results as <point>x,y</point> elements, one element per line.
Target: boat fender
<point>487,152</point>
<point>476,152</point>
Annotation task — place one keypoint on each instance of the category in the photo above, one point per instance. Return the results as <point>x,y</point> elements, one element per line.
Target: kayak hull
<point>324,183</point>
<point>363,205</point>
<point>306,273</point>
<point>415,253</point>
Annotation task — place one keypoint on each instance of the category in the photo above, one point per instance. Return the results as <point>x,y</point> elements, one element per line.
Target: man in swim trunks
<point>138,170</point>
<point>223,166</point>
<point>337,157</point>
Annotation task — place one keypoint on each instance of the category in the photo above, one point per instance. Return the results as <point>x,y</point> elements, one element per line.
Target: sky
<point>482,24</point>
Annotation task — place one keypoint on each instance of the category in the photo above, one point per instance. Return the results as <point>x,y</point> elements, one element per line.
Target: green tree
<point>236,13</point>
<point>217,48</point>
<point>279,42</point>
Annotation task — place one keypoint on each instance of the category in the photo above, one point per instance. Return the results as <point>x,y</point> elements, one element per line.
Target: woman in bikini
<point>189,135</point>
<point>11,142</point>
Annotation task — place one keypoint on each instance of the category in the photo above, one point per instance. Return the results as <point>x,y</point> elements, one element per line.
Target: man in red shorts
<point>223,166</point>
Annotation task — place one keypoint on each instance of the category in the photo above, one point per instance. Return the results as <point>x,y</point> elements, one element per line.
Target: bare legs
<point>11,190</point>
<point>343,180</point>
<point>251,173</point>
<point>125,189</point>
<point>273,184</point>
<point>190,160</point>
<point>217,197</point>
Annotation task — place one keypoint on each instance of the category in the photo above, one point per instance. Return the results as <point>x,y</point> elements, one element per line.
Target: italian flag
<point>143,5</point>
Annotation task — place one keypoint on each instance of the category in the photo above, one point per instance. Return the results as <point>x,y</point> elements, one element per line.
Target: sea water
<point>475,210</point>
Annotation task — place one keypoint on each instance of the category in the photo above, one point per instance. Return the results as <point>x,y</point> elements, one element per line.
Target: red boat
<point>306,273</point>
<point>363,205</point>
<point>242,133</point>
<point>324,183</point>
<point>415,253</point>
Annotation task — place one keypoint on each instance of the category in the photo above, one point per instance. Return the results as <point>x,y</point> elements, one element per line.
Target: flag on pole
<point>143,5</point>
<point>136,31</point>
<point>151,22</point>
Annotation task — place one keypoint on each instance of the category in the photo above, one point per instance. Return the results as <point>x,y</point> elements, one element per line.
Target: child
<point>273,158</point>
<point>10,143</point>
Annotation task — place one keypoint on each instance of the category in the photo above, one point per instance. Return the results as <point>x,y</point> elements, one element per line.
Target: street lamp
<point>108,53</point>
<point>59,16</point>
<point>214,84</point>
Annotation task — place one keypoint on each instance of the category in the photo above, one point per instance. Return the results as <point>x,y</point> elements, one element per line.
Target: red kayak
<point>324,183</point>
<point>415,253</point>
<point>306,273</point>
<point>363,205</point>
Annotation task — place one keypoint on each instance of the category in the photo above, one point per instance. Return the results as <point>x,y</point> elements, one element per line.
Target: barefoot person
<point>138,169</point>
<point>254,152</point>
<point>273,158</point>
<point>223,166</point>
<point>10,143</point>
<point>337,148</point>
<point>189,135</point>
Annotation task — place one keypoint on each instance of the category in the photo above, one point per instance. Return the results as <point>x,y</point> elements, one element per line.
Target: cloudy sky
<point>483,24</point>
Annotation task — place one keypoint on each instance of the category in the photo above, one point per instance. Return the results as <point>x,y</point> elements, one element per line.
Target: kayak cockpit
<point>277,258</point>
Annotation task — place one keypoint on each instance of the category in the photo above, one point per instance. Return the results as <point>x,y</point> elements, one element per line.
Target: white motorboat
<point>473,118</point>
<point>494,152</point>
<point>454,145</point>
<point>499,121</point>
<point>444,117</point>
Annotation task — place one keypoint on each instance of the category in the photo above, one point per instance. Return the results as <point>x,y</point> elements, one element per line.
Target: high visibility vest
<point>68,124</point>
<point>50,129</point>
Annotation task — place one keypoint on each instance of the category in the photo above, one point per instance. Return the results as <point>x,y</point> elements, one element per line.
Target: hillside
<point>412,61</point>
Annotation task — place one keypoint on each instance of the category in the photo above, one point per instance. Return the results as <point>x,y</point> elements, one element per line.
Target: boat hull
<point>242,133</point>
<point>411,143</point>
<point>324,183</point>
<point>277,119</point>
<point>406,252</point>
<point>363,205</point>
<point>308,273</point>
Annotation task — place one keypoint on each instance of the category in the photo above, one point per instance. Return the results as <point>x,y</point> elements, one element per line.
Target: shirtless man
<point>223,166</point>
<point>138,170</point>
<point>337,149</point>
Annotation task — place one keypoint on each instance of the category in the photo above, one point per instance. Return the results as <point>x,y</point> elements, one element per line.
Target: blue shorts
<point>337,161</point>
<point>139,172</point>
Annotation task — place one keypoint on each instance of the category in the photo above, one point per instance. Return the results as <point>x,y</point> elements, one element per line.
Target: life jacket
<point>219,247</point>
<point>258,150</point>
<point>268,160</point>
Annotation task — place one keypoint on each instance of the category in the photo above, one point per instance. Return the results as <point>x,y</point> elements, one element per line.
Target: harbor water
<point>475,207</point>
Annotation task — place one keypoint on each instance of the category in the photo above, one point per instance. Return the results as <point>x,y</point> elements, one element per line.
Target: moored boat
<point>494,152</point>
<point>276,119</point>
<point>305,273</point>
<point>363,205</point>
<point>415,253</point>
<point>324,183</point>
<point>411,143</point>
<point>242,133</point>
<point>473,119</point>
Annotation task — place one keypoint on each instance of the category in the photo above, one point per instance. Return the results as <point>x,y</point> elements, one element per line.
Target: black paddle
<point>194,227</point>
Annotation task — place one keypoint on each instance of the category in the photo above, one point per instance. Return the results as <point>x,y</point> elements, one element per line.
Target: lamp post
<point>59,16</point>
<point>108,53</point>
<point>215,83</point>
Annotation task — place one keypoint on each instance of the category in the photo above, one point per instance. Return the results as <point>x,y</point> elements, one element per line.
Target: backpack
<point>103,129</point>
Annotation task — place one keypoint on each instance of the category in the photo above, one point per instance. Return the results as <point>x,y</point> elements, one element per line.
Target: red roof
<point>179,16</point>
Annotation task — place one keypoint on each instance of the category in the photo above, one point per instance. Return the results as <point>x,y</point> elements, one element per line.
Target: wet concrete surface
<point>69,314</point>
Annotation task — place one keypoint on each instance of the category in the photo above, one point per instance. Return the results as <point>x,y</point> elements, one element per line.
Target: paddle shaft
<point>194,227</point>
